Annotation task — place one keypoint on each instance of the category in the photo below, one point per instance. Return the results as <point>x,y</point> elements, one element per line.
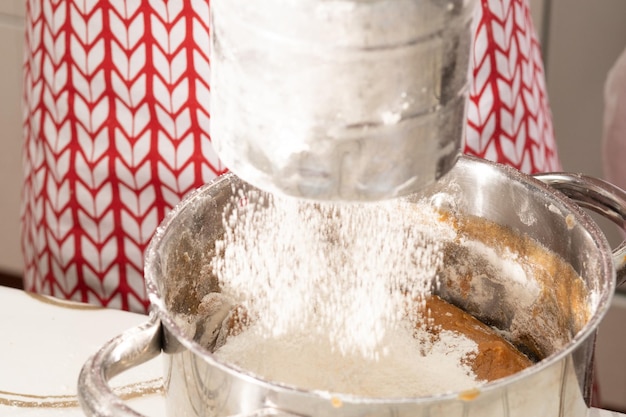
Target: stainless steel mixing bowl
<point>558,385</point>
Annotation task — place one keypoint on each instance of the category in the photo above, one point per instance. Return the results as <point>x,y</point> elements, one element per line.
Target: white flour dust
<point>331,291</point>
<point>414,366</point>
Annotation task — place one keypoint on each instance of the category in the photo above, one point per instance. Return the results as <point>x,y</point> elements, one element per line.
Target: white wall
<point>537,8</point>
<point>11,41</point>
<point>584,38</point>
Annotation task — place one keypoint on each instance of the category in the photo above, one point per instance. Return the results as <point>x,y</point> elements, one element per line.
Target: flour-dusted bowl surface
<point>494,207</point>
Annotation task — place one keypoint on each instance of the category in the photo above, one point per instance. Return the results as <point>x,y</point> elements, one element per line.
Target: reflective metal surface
<point>340,99</point>
<point>597,195</point>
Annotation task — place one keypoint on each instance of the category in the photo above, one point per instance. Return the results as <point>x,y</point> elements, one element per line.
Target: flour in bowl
<point>346,272</point>
<point>338,297</point>
<point>414,365</point>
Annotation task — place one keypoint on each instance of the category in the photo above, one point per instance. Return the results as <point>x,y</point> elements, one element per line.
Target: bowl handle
<point>131,348</point>
<point>597,195</point>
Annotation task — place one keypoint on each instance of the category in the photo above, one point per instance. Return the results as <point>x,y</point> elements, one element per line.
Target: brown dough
<point>496,357</point>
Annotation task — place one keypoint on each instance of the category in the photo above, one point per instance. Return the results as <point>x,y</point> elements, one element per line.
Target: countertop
<point>44,344</point>
<point>46,341</point>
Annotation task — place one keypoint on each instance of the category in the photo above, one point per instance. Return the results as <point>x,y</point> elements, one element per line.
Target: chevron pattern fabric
<point>116,127</point>
<point>508,118</point>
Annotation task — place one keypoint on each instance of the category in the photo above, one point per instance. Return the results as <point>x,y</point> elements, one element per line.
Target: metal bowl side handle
<point>131,348</point>
<point>597,195</point>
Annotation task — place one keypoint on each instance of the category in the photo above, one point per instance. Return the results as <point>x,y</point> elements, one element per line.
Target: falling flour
<point>332,294</point>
